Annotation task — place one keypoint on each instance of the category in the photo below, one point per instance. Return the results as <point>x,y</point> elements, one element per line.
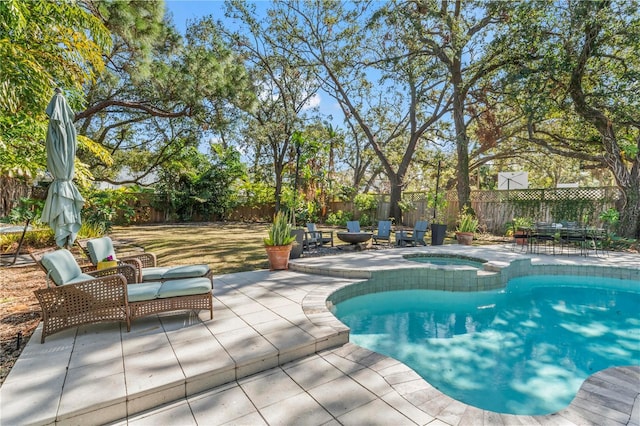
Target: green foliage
<point>280,231</point>
<point>27,209</point>
<point>104,208</point>
<point>365,202</point>
<point>43,44</point>
<point>37,238</point>
<point>199,186</point>
<point>406,205</point>
<point>467,222</point>
<point>91,230</point>
<point>339,218</point>
<point>517,223</point>
<point>610,218</point>
<point>365,220</point>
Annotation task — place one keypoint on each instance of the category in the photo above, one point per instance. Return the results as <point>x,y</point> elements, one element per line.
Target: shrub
<point>339,218</point>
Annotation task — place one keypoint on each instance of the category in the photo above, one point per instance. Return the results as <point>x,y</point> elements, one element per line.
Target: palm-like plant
<point>280,231</point>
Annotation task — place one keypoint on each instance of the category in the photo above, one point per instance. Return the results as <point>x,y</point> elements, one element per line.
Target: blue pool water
<point>525,349</point>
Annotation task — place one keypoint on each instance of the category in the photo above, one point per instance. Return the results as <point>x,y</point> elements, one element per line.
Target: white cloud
<point>313,102</point>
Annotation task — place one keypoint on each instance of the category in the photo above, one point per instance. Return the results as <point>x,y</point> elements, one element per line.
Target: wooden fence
<point>494,208</point>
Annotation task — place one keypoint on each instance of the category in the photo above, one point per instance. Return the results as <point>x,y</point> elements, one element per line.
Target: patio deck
<point>273,354</point>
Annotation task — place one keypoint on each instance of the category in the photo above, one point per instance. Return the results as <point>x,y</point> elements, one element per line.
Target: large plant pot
<point>296,250</point>
<point>464,238</point>
<point>278,256</point>
<point>438,232</point>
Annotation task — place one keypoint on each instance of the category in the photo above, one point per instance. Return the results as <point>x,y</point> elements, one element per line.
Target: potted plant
<point>520,226</point>
<point>279,242</point>
<point>467,226</point>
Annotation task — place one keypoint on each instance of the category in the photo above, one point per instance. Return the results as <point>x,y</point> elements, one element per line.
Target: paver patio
<point>273,354</point>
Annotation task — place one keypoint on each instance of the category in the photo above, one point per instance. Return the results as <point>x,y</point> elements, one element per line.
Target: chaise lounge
<point>145,263</point>
<point>83,296</point>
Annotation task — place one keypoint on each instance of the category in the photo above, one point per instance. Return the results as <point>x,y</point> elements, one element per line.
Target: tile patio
<point>273,354</point>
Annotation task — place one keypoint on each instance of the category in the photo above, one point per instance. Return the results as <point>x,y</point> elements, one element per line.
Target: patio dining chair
<point>384,232</point>
<point>573,238</point>
<point>544,234</point>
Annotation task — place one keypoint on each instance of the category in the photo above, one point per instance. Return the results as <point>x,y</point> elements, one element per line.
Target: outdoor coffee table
<point>355,238</point>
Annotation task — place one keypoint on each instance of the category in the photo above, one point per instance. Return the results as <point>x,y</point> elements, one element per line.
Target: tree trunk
<point>395,197</point>
<point>629,224</point>
<point>462,149</point>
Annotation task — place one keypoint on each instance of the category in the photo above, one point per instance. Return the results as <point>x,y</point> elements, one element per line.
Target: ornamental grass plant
<point>280,231</point>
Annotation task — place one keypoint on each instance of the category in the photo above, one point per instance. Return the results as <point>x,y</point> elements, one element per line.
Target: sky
<point>190,10</point>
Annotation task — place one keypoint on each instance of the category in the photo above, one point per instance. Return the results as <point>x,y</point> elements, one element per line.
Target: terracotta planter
<point>464,238</point>
<point>278,256</point>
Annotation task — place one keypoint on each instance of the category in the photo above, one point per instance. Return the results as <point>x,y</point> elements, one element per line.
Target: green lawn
<point>226,247</point>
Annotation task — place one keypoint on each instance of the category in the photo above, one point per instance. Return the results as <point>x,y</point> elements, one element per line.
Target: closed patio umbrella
<point>64,202</point>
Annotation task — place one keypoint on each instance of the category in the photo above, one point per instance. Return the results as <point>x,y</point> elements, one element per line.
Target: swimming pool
<point>525,349</point>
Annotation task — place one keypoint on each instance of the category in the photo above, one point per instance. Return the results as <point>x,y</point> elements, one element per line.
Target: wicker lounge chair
<point>79,296</point>
<point>101,248</point>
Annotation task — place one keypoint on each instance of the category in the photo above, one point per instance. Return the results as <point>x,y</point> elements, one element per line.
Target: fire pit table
<point>355,238</point>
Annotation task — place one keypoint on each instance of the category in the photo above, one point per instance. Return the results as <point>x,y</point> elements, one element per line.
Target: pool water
<point>447,261</point>
<point>525,349</point>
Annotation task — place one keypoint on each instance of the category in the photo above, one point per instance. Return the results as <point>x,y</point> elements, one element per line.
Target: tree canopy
<point>487,85</point>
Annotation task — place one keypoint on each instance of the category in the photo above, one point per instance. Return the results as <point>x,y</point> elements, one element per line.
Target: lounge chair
<point>414,237</point>
<point>353,226</point>
<point>384,232</point>
<point>317,237</point>
<point>101,248</point>
<point>78,296</point>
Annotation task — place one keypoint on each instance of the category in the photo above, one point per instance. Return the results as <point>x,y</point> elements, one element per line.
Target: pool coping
<point>285,316</point>
<point>598,394</point>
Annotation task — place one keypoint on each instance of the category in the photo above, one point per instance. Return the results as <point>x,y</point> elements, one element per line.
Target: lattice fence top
<point>554,194</point>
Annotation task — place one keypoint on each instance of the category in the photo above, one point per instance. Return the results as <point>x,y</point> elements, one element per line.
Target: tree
<point>43,45</point>
<point>467,39</point>
<point>199,185</point>
<point>581,91</point>
<point>160,93</point>
<point>392,95</point>
<point>284,93</point>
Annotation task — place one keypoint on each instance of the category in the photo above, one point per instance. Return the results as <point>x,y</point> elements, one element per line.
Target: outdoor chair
<point>544,234</point>
<point>521,238</point>
<point>145,263</point>
<point>384,232</point>
<point>317,237</point>
<point>79,297</point>
<point>353,226</point>
<point>415,237</point>
<point>598,240</point>
<point>573,237</point>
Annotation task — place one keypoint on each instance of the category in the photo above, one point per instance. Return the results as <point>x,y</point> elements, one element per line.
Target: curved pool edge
<point>610,396</point>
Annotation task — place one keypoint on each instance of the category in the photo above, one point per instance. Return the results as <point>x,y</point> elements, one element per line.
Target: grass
<point>226,247</point>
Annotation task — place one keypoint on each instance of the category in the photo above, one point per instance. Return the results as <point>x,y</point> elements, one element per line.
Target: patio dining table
<point>571,236</point>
